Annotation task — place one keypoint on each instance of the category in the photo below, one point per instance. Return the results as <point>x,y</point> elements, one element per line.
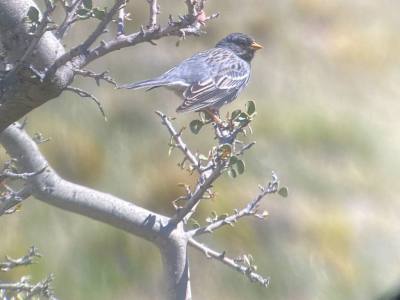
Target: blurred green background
<point>327,92</point>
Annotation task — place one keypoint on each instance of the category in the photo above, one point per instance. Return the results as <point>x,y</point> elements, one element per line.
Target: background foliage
<point>326,87</point>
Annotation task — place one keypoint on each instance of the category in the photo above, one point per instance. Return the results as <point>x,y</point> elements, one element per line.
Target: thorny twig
<point>184,26</point>
<point>85,94</point>
<point>70,18</point>
<point>247,271</point>
<point>29,289</point>
<point>249,210</point>
<point>121,20</point>
<point>180,144</point>
<point>82,48</point>
<point>154,11</point>
<point>10,199</point>
<point>96,76</point>
<point>11,263</point>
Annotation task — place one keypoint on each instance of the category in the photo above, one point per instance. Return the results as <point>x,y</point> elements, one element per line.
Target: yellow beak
<point>256,46</point>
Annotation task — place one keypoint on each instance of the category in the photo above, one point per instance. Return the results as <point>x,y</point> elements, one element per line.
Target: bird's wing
<point>228,80</point>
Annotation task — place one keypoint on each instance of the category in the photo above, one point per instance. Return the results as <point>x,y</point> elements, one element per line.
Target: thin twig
<point>70,18</point>
<point>121,20</point>
<point>154,11</point>
<point>85,94</point>
<point>249,210</point>
<point>23,176</point>
<point>173,28</point>
<point>245,270</point>
<point>11,263</point>
<point>10,200</point>
<point>180,144</point>
<point>43,287</point>
<point>96,76</point>
<point>83,47</point>
<point>205,183</point>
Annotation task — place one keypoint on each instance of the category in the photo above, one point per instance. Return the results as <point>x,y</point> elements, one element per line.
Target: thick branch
<point>27,90</point>
<point>47,186</point>
<point>52,189</point>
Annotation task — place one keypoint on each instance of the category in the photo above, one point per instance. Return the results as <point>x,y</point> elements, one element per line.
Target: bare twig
<point>7,173</point>
<point>82,48</point>
<point>43,287</point>
<point>85,94</point>
<point>70,18</point>
<point>185,26</point>
<point>29,258</point>
<point>154,11</point>
<point>121,20</point>
<point>249,210</point>
<point>96,76</point>
<point>205,183</point>
<point>245,270</point>
<point>180,144</point>
<point>10,200</point>
<point>191,7</point>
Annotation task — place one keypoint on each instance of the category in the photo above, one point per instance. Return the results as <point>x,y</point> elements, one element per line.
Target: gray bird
<point>211,78</point>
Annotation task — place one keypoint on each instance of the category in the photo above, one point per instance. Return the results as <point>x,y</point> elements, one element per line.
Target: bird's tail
<point>150,83</point>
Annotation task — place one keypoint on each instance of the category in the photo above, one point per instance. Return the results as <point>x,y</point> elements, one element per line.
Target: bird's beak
<point>255,46</point>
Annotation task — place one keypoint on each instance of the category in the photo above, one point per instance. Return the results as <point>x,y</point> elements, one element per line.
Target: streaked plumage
<point>211,78</point>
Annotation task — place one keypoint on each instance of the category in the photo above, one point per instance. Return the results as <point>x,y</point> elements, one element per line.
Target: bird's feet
<point>214,116</point>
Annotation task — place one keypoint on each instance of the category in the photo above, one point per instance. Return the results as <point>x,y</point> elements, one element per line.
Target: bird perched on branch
<point>211,78</point>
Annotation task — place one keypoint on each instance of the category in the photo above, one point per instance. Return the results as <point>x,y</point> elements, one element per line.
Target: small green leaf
<point>195,126</point>
<point>243,118</point>
<point>233,160</point>
<point>195,224</point>
<point>33,14</point>
<point>222,217</point>
<point>240,166</point>
<point>88,4</point>
<point>283,191</point>
<point>232,173</point>
<point>235,113</point>
<point>98,13</point>
<point>251,107</point>
<point>83,12</point>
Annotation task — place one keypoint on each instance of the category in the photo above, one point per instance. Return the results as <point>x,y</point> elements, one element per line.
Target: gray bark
<point>25,93</point>
<point>47,186</point>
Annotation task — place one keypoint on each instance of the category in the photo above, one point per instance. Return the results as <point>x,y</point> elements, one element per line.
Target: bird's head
<point>241,44</point>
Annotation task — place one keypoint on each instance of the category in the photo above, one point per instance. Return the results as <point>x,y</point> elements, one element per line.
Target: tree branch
<point>27,259</point>
<point>69,19</point>
<point>54,190</point>
<point>154,11</point>
<point>247,271</point>
<point>28,90</point>
<point>249,210</point>
<point>177,137</point>
<point>85,94</point>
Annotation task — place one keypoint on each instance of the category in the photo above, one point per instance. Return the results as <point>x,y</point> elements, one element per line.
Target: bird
<point>209,79</point>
